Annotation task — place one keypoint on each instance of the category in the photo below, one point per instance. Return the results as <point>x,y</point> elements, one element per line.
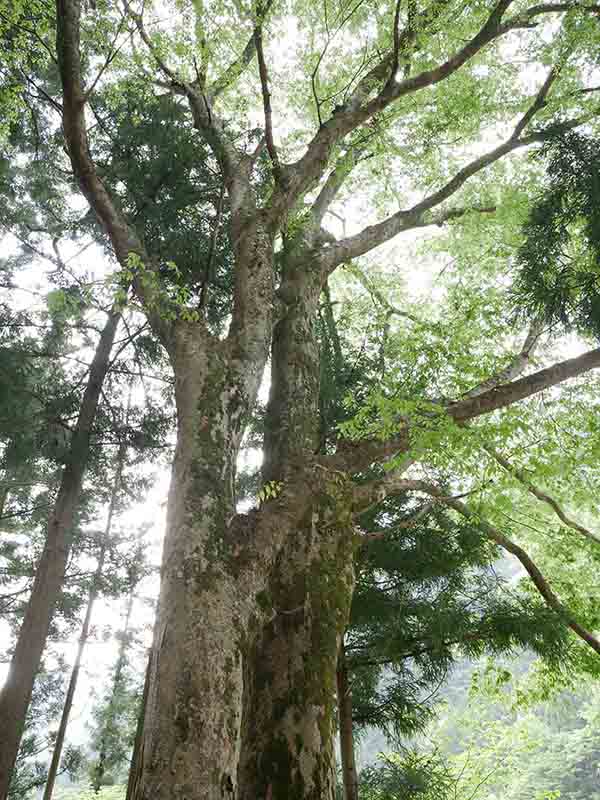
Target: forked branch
<point>358,456</point>
<point>517,365</point>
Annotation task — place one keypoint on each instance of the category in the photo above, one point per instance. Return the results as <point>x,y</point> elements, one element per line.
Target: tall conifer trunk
<point>50,570</point>
<point>85,628</point>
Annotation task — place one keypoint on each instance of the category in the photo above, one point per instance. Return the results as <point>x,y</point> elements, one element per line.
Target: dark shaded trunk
<point>344,693</point>
<point>289,722</point>
<point>137,755</point>
<point>50,572</point>
<point>85,629</point>
<point>3,497</point>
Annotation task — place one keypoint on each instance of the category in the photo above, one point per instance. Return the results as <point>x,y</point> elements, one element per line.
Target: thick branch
<point>122,237</point>
<point>358,456</point>
<point>508,393</point>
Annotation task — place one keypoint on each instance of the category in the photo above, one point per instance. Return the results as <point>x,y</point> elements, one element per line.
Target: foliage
<point>558,263</point>
<point>408,775</point>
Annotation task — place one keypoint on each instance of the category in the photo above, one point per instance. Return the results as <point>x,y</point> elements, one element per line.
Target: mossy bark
<point>289,724</point>
<point>241,701</point>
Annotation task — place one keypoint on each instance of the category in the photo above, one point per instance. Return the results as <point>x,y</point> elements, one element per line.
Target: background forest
<point>469,660</point>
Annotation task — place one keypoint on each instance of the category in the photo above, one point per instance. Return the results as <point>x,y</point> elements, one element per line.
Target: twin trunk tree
<point>242,685</point>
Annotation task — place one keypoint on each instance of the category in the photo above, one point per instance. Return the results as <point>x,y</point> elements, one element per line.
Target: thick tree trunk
<point>344,693</point>
<point>289,723</point>
<point>85,629</point>
<point>16,693</point>
<point>193,712</point>
<point>241,702</point>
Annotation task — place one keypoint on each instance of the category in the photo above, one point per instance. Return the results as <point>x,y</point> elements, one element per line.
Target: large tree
<point>395,96</point>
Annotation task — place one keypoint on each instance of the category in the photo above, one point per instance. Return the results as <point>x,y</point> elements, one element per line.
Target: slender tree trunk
<point>349,773</point>
<point>3,496</point>
<point>83,637</point>
<point>16,693</point>
<point>136,755</point>
<point>110,721</point>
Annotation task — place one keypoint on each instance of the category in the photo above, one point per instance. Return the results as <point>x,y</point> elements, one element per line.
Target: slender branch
<point>112,54</point>
<point>334,183</point>
<point>396,54</point>
<point>519,474</point>
<point>237,67</point>
<point>409,522</point>
<point>517,365</point>
<point>233,71</point>
<point>266,97</point>
<point>205,120</point>
<point>538,579</point>
<point>211,248</point>
<point>539,102</point>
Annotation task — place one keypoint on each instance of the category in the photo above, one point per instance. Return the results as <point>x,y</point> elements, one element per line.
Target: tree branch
<point>334,183</point>
<point>122,237</point>
<point>542,496</point>
<point>237,67</point>
<point>206,121</point>
<point>357,456</point>
<point>539,101</point>
<point>415,217</point>
<point>312,165</point>
<point>508,393</point>
<point>266,97</point>
<point>538,579</point>
<point>517,365</point>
